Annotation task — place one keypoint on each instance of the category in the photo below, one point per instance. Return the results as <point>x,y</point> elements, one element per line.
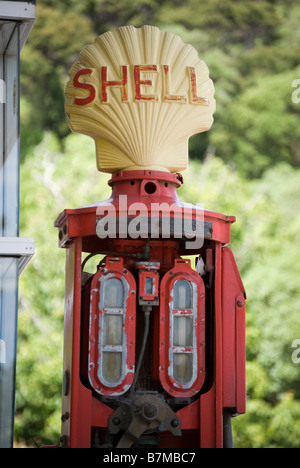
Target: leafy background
<point>248,165</point>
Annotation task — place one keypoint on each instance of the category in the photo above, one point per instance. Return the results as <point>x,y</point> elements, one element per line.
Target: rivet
<point>174,423</point>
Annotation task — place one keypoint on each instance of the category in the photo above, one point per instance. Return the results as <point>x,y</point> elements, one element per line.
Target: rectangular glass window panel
<point>149,286</point>
<point>9,221</point>
<point>9,166</point>
<point>182,295</point>
<point>183,367</point>
<point>111,366</point>
<point>112,329</point>
<point>8,337</point>
<point>182,331</point>
<point>113,294</point>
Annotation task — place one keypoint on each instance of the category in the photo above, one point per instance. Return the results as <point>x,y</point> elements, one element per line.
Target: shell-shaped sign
<point>140,94</point>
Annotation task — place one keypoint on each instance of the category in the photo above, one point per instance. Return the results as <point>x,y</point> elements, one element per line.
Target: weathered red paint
<point>168,96</point>
<point>181,271</point>
<point>82,85</point>
<point>113,268</point>
<point>123,84</point>
<point>138,82</point>
<point>136,71</point>
<point>194,98</point>
<point>222,384</point>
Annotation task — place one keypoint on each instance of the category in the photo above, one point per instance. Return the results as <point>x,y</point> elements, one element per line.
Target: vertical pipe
<point>218,335</point>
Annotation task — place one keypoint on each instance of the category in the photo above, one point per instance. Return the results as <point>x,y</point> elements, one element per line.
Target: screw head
<point>174,423</point>
<point>149,411</point>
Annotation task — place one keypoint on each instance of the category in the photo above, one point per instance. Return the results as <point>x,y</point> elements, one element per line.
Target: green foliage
<point>246,166</point>
<point>262,126</point>
<point>53,44</point>
<point>263,240</point>
<point>47,187</point>
<point>251,48</point>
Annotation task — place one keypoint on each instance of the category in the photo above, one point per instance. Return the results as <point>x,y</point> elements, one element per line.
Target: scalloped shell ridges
<point>140,94</point>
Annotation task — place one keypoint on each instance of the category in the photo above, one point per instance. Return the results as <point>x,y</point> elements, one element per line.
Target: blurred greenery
<point>248,165</point>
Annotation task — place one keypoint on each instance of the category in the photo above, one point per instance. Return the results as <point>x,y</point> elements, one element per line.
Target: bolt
<point>174,423</point>
<point>116,421</point>
<point>65,416</point>
<point>240,303</point>
<point>149,411</point>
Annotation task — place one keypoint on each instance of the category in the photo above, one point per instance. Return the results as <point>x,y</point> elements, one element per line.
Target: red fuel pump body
<point>154,340</point>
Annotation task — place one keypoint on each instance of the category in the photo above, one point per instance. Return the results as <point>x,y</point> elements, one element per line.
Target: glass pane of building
<point>16,19</point>
<point>10,158</point>
<point>9,202</point>
<point>8,330</point>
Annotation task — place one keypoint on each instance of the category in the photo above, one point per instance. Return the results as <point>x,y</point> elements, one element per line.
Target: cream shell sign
<point>140,94</point>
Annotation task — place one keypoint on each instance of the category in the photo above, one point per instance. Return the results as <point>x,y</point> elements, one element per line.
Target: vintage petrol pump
<point>154,343</point>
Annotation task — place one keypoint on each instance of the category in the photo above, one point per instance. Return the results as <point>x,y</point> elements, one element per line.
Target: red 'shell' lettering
<point>138,82</point>
<point>87,86</point>
<point>171,97</point>
<point>139,95</point>
<point>122,84</point>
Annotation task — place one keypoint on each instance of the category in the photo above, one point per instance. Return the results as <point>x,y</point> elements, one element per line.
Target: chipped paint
<point>99,351</point>
<point>176,349</point>
<point>182,272</point>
